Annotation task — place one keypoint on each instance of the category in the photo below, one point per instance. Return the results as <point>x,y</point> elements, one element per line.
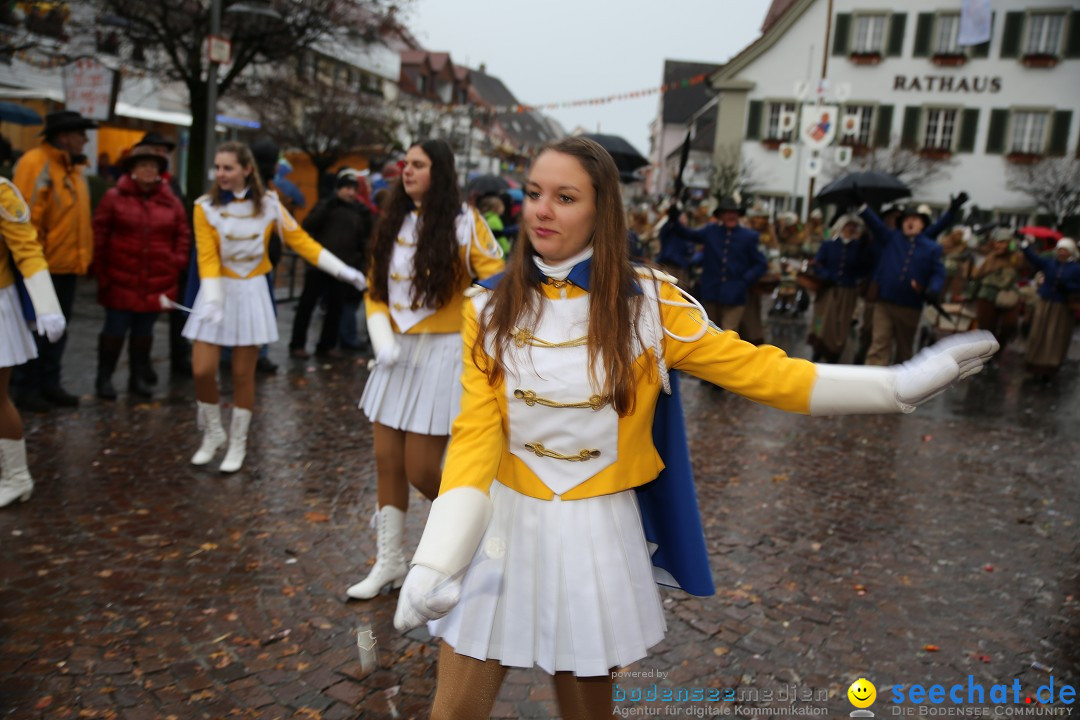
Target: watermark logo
<point>862,695</point>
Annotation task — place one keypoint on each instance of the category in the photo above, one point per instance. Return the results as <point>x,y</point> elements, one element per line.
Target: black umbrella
<point>18,114</point>
<point>626,158</point>
<point>873,187</point>
<point>487,185</point>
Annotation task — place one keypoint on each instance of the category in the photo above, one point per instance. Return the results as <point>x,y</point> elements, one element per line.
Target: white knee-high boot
<point>238,432</point>
<point>213,434</point>
<point>15,480</point>
<point>390,566</point>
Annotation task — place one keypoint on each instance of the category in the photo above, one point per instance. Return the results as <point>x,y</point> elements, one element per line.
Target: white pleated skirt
<point>16,343</point>
<point>565,585</point>
<point>249,315</point>
<point>421,393</point>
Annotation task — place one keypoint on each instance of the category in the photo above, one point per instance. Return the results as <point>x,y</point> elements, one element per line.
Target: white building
<point>898,66</point>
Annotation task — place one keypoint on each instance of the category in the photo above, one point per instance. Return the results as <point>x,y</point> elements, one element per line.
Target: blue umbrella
<point>14,113</point>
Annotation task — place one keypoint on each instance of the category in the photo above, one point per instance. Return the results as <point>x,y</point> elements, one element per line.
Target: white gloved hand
<point>352,276</point>
<point>938,366</point>
<point>52,326</point>
<point>210,303</point>
<point>426,595</point>
<point>211,313</point>
<point>383,339</point>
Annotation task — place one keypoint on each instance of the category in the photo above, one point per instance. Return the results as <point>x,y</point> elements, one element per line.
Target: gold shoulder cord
<point>541,451</point>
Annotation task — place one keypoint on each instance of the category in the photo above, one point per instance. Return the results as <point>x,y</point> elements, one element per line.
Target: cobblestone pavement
<point>915,549</point>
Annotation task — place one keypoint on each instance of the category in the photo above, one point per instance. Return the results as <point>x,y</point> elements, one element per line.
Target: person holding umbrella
<point>732,261</point>
<point>909,272</point>
<point>1051,329</point>
<point>841,263</point>
<point>997,296</point>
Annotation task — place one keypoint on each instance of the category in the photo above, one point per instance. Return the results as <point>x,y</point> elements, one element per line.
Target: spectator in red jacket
<point>141,241</point>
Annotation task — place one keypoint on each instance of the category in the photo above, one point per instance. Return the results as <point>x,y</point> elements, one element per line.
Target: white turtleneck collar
<point>560,271</point>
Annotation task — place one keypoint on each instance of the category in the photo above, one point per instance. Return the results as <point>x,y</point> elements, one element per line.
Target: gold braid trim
<point>524,336</point>
<point>541,451</point>
<point>595,402</point>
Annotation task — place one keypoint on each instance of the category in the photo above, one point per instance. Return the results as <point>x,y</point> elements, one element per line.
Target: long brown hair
<point>256,190</point>
<point>439,272</point>
<point>613,303</point>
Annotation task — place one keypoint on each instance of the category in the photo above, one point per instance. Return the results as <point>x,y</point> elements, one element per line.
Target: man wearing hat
<point>732,262</point>
<point>53,184</point>
<point>342,224</point>
<point>909,271</point>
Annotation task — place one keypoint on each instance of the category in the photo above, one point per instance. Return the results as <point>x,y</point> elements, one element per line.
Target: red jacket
<point>140,245</point>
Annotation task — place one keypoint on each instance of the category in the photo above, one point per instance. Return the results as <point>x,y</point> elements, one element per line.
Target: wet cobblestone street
<point>913,549</point>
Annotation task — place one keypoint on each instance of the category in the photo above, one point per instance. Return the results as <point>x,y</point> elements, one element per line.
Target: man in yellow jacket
<point>54,187</point>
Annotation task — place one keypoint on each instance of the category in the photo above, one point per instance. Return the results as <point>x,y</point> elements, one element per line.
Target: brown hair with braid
<point>614,303</point>
<point>439,272</point>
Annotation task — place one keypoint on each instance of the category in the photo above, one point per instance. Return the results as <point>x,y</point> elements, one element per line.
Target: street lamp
<point>255,10</point>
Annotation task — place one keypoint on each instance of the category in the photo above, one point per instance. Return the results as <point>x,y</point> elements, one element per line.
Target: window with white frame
<point>1044,33</point>
<point>1012,219</point>
<point>939,128</point>
<point>1028,132</point>
<point>869,34</point>
<point>866,123</point>
<point>772,130</point>
<point>948,27</point>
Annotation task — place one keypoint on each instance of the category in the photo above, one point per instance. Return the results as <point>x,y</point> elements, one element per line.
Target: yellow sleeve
<point>32,181</point>
<point>207,245</point>
<point>20,237</point>
<point>485,256</point>
<point>297,238</point>
<point>763,374</point>
<point>477,438</point>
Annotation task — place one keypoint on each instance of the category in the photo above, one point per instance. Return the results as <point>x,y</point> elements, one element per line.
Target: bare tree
<point>171,36</point>
<point>324,121</point>
<point>732,174</point>
<point>908,166</point>
<point>1052,185</point>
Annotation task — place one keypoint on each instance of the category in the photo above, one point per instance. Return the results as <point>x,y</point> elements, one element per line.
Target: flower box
<point>1040,60</point>
<point>949,59</point>
<point>931,153</point>
<point>772,143</point>
<point>1023,158</point>
<point>865,58</point>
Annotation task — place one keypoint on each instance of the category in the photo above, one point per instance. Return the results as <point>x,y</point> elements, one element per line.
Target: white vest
<point>241,230</point>
<point>403,267</point>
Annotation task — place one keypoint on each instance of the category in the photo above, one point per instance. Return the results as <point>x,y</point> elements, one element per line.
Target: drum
<point>809,281</point>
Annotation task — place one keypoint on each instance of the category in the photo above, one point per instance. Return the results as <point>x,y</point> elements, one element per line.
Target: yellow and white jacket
<point>19,248</point>
<point>545,431</point>
<point>232,239</point>
<point>479,252</point>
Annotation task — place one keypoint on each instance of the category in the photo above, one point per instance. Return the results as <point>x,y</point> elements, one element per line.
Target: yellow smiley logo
<point>862,693</point>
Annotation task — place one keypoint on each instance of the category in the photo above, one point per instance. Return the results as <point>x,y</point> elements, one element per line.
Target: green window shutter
<point>896,35</point>
<point>982,50</point>
<point>1010,37</point>
<point>909,136</point>
<point>995,136</point>
<point>753,121</point>
<point>798,206</point>
<point>1059,132</point>
<point>924,30</point>
<point>969,125</point>
<point>1072,41</point>
<point>883,131</point>
<point>841,34</point>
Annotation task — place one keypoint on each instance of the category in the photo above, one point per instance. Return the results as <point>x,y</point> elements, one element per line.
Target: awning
<point>161,116</point>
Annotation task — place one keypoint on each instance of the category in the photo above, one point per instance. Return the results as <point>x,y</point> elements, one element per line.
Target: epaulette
<point>655,273</point>
<point>22,214</point>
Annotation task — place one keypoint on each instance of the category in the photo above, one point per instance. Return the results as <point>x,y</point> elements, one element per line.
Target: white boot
<point>238,432</point>
<point>15,480</point>
<point>390,566</point>
<point>213,434</point>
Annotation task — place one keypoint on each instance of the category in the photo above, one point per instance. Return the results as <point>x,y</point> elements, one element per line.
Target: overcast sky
<point>560,50</point>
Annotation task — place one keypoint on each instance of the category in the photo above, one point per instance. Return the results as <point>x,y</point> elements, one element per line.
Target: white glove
<point>938,366</point>
<point>51,326</point>
<point>426,595</point>
<point>850,390</point>
<point>353,276</point>
<point>212,308</point>
<point>383,339</point>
